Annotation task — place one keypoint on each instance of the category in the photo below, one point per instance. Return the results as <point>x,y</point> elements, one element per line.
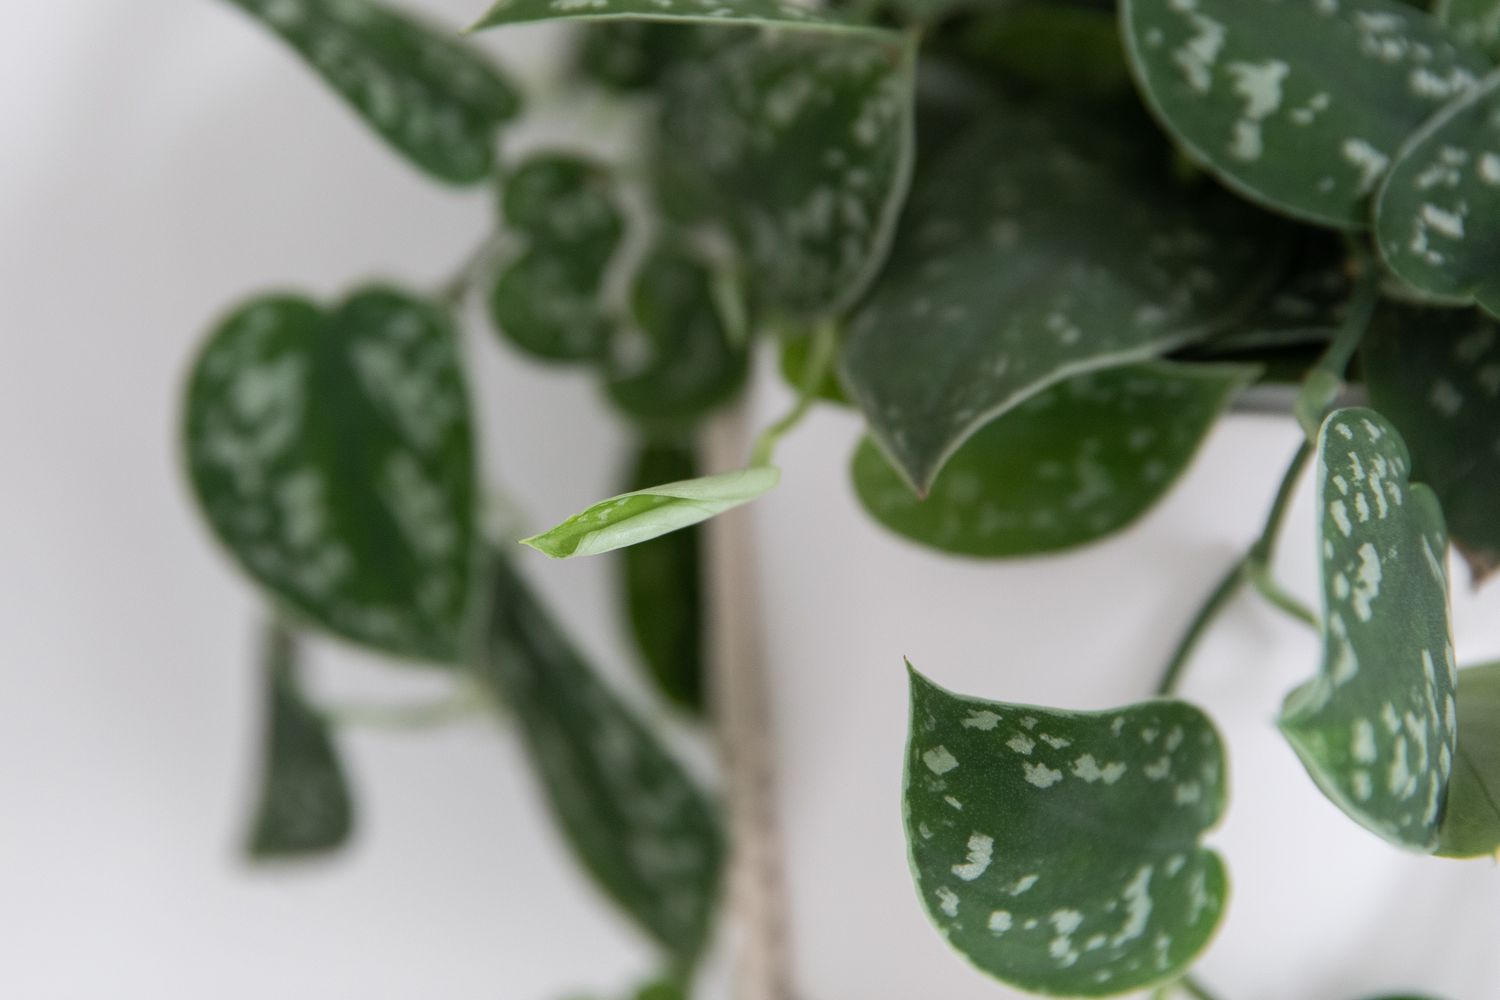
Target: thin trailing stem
<point>1217,599</point>
<point>825,341</point>
<point>475,267</point>
<point>1254,567</point>
<point>1323,383</point>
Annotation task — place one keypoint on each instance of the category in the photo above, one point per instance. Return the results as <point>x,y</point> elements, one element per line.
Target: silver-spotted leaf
<point>1072,464</point>
<point>1002,280</point>
<point>636,821</point>
<point>433,97</point>
<point>1435,374</point>
<point>632,518</point>
<point>799,147</point>
<point>1476,22</point>
<point>548,304</point>
<point>676,362</point>
<point>331,452</point>
<point>563,201</point>
<point>1471,821</point>
<point>1059,851</point>
<point>1437,217</point>
<point>663,584</point>
<point>770,13</point>
<point>1299,104</point>
<point>305,805</point>
<point>1376,727</point>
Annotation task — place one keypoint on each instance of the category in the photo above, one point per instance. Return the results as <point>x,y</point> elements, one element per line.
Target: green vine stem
<point>465,702</point>
<point>1323,383</point>
<point>474,268</point>
<point>825,342</point>
<point>1254,567</point>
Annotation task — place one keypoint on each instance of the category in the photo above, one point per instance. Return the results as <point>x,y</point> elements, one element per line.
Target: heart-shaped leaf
<point>799,147</point>
<point>568,203</point>
<point>1476,22</point>
<point>663,583</point>
<point>1471,821</point>
<point>331,453</point>
<point>433,97</point>
<point>1068,466</point>
<point>305,804</point>
<point>1435,374</point>
<point>1376,727</point>
<point>1298,104</point>
<point>548,306</point>
<point>1059,851</point>
<point>638,824</point>
<point>632,518</point>
<point>1002,281</point>
<point>676,363</point>
<point>1437,218</point>
<point>770,13</point>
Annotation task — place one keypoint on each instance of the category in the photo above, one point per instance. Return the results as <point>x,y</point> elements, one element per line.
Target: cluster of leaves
<point>1041,246</point>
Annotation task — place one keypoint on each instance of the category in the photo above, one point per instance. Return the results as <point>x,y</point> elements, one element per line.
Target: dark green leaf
<point>1058,851</point>
<point>1003,281</point>
<point>794,359</point>
<point>1073,464</point>
<point>1471,822</point>
<point>305,804</point>
<point>433,97</point>
<point>676,363</point>
<point>1476,22</point>
<point>1060,48</point>
<point>1298,104</point>
<point>548,306</point>
<point>1437,218</point>
<point>1435,374</point>
<point>331,453</point>
<point>799,147</point>
<point>1376,727</point>
<point>772,13</point>
<point>636,821</point>
<point>630,55</point>
<point>632,518</point>
<point>564,202</point>
<point>663,582</point>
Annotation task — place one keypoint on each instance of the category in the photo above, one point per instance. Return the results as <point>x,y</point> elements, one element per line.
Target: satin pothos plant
<point>1041,245</point>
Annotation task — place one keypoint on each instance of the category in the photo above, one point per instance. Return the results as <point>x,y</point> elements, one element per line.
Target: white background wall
<point>159,159</point>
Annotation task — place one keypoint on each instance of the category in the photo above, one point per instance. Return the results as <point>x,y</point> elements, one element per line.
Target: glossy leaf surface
<point>433,97</point>
<point>566,202</point>
<point>330,450</point>
<point>1437,220</point>
<point>663,582</point>
<point>1376,727</point>
<point>636,821</point>
<point>548,306</point>
<point>636,517</point>
<point>1070,465</point>
<point>1059,851</point>
<point>1003,281</point>
<point>305,805</point>
<point>1435,374</point>
<point>1299,104</point>
<point>1471,821</point>
<point>799,147</point>
<point>676,362</point>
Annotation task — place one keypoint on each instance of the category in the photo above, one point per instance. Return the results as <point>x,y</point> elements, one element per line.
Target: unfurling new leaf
<point>645,514</point>
<point>1059,851</point>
